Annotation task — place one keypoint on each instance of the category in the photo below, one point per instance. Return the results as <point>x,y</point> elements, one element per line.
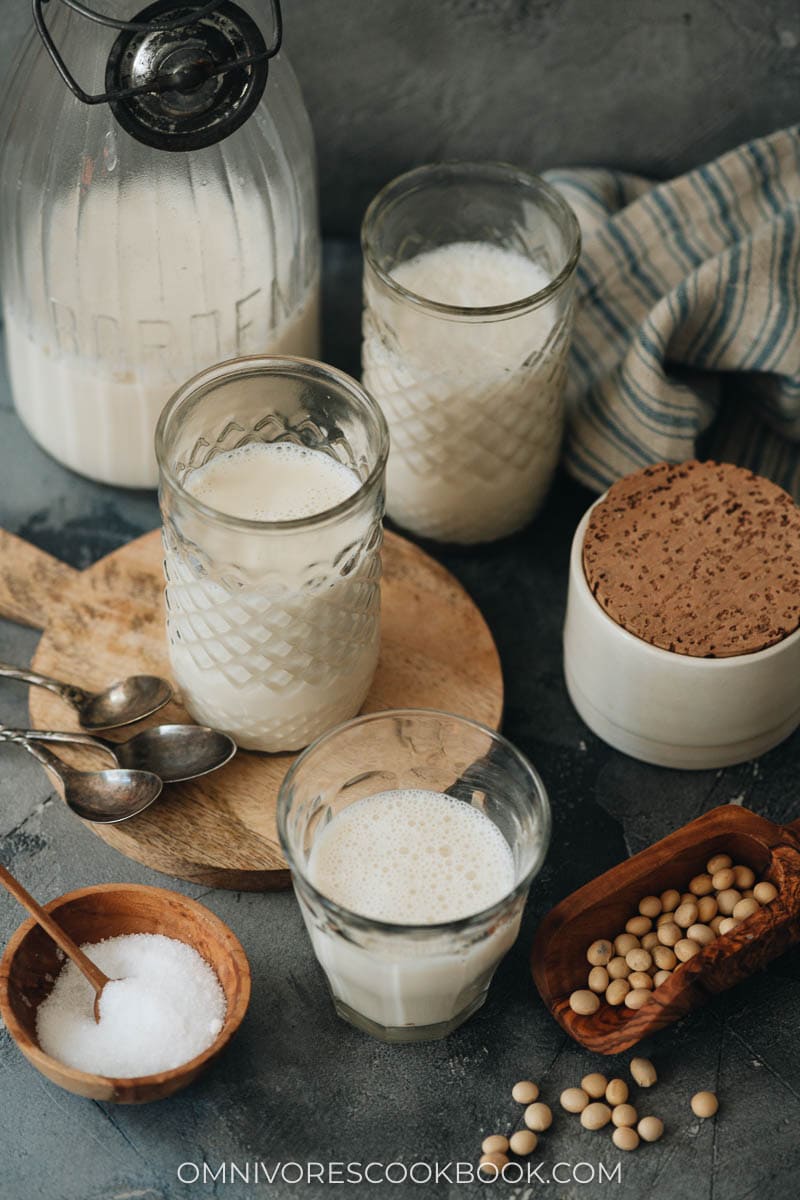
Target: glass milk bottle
<point>158,209</point>
<point>468,298</point>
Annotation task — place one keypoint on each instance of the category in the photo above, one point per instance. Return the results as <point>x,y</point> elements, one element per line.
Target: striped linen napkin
<point>687,329</point>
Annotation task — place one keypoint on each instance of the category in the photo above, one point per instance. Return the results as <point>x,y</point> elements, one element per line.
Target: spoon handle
<point>53,735</point>
<point>67,691</point>
<point>61,938</point>
<point>48,760</point>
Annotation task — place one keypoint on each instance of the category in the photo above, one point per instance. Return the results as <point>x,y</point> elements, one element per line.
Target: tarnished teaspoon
<point>122,703</point>
<point>102,796</point>
<point>173,752</point>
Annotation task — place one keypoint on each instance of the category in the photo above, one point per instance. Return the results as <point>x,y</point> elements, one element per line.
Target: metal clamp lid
<point>180,75</point>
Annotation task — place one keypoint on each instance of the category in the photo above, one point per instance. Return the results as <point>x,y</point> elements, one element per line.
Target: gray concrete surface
<point>299,1086</point>
<point>650,85</point>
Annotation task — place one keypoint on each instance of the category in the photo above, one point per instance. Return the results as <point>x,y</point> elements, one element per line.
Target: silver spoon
<point>103,796</point>
<point>173,752</point>
<point>120,704</point>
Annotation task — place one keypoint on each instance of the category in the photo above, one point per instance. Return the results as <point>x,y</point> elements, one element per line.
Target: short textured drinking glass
<point>273,626</point>
<point>472,388</point>
<point>399,982</point>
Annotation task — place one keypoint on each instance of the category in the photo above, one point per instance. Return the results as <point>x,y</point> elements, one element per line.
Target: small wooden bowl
<point>31,963</point>
<point>600,909</point>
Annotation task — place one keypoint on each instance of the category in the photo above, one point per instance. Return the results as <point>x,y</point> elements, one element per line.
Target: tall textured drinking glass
<point>401,982</point>
<point>273,625</point>
<point>468,298</point>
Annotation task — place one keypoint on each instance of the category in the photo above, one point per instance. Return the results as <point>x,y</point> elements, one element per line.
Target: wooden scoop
<point>601,908</point>
<point>92,973</point>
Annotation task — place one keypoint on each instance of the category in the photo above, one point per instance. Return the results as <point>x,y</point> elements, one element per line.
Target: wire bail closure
<point>180,75</point>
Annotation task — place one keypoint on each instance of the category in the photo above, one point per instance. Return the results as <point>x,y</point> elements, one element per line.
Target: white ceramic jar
<point>672,709</point>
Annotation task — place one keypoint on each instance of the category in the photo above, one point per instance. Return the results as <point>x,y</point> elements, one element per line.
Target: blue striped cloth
<point>686,337</point>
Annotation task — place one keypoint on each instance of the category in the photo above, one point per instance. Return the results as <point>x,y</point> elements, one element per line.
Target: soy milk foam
<point>474,406</point>
<point>289,648</point>
<point>411,857</point>
<point>272,481</point>
<point>472,275</point>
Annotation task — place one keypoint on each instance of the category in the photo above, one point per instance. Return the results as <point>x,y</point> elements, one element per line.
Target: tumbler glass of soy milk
<point>271,492</point>
<point>468,298</point>
<point>412,837</point>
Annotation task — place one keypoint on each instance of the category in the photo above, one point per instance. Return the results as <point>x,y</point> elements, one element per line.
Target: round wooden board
<point>436,652</point>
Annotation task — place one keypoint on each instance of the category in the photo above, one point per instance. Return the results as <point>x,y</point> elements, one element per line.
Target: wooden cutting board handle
<point>32,582</point>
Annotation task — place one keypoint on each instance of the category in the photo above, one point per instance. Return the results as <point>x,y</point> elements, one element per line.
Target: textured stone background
<point>390,83</point>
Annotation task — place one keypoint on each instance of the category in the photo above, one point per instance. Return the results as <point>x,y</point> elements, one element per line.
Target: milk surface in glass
<point>289,648</point>
<point>474,409</point>
<point>416,858</point>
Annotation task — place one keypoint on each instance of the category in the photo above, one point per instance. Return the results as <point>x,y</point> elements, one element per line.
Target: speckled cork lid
<point>702,558</point>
